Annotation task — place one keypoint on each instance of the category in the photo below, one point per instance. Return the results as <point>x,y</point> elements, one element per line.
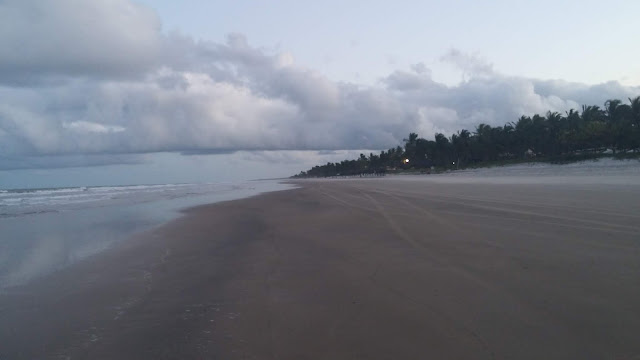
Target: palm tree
<point>442,149</point>
<point>617,126</point>
<point>461,146</point>
<point>483,134</point>
<point>610,107</point>
<point>410,147</point>
<point>570,133</point>
<point>554,125</point>
<point>619,121</point>
<point>592,113</point>
<point>635,109</point>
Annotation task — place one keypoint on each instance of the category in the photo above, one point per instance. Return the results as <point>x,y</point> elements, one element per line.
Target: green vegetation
<point>553,138</point>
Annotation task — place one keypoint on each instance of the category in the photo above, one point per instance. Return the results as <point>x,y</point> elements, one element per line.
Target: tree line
<point>614,127</point>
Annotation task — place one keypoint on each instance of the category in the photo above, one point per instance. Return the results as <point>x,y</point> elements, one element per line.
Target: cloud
<point>76,38</point>
<point>420,68</point>
<point>90,127</point>
<point>68,161</point>
<point>469,64</point>
<point>102,78</point>
<point>409,81</point>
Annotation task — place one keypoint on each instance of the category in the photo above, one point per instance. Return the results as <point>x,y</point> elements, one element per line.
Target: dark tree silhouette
<point>554,135</point>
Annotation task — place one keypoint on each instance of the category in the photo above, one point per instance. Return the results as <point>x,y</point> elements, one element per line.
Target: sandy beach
<point>390,268</point>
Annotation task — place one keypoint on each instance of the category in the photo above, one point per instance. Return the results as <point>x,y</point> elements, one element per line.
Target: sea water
<point>42,230</point>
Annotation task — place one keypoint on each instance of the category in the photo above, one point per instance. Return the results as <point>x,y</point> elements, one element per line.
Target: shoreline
<point>601,168</point>
<point>47,230</point>
<point>344,269</point>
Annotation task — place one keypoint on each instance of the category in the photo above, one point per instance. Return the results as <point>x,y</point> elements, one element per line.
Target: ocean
<point>42,230</point>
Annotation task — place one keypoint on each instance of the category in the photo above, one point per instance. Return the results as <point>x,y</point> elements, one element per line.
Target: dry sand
<point>369,269</point>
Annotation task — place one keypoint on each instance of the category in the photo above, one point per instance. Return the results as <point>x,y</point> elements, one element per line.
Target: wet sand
<point>371,269</point>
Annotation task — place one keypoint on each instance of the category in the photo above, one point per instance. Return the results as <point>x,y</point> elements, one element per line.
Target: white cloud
<point>76,37</point>
<point>420,68</point>
<point>100,77</point>
<point>91,127</point>
<point>470,64</point>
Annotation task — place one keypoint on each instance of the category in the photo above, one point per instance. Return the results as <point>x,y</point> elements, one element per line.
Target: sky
<point>108,92</point>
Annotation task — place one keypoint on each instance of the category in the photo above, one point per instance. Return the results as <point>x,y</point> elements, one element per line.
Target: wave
<point>47,191</point>
<point>42,190</point>
<point>9,215</point>
<point>19,202</point>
